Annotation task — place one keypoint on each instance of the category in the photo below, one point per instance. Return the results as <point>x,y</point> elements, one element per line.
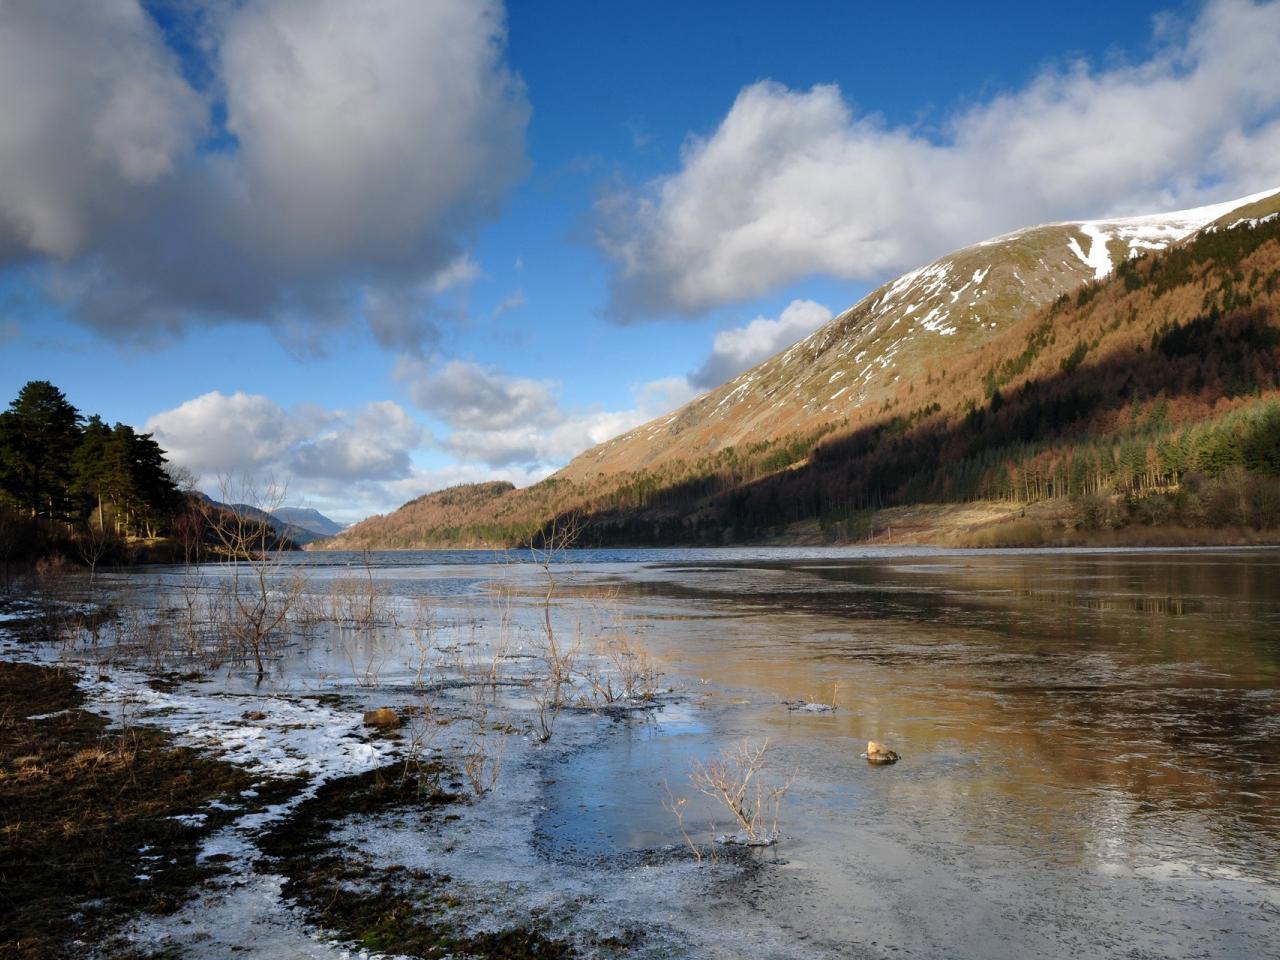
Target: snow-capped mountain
<point>901,338</point>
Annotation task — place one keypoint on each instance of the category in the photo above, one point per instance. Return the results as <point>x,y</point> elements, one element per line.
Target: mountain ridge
<point>1051,257</point>
<point>309,519</point>
<point>958,332</point>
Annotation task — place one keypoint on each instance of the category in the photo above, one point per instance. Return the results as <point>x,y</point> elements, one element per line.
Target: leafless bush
<point>558,656</point>
<point>367,654</point>
<point>676,807</point>
<point>94,542</point>
<point>258,596</point>
<point>422,726</point>
<point>482,757</point>
<point>738,781</point>
<point>310,611</point>
<point>357,601</point>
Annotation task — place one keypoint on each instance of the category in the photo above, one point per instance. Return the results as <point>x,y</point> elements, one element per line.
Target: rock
<point>384,718</point>
<point>879,754</point>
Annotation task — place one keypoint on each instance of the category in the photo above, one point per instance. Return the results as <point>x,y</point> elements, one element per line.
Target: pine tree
<point>39,434</point>
<point>89,477</point>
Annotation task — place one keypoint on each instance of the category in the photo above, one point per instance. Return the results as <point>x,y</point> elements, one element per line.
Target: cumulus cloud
<point>468,395</point>
<point>371,444</point>
<point>350,463</point>
<point>546,447</point>
<point>741,348</point>
<point>309,447</point>
<point>355,145</point>
<point>94,107</point>
<point>228,433</point>
<point>794,183</point>
<point>508,421</point>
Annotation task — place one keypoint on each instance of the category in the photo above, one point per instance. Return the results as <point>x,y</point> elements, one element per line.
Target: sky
<point>369,250</point>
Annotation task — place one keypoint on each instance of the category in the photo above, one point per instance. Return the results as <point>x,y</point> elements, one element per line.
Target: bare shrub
<point>357,601</point>
<point>737,779</point>
<point>676,807</point>
<point>622,672</point>
<point>482,757</point>
<point>259,596</point>
<point>93,543</point>
<point>422,726</point>
<point>422,630</point>
<point>558,656</point>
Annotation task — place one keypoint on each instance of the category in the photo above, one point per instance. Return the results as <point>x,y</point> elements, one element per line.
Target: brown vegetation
<point>1147,387</point>
<point>85,815</point>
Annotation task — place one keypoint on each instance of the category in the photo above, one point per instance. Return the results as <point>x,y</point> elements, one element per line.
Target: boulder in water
<point>878,753</point>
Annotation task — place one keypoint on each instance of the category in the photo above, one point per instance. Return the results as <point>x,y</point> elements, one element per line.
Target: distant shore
<point>979,524</point>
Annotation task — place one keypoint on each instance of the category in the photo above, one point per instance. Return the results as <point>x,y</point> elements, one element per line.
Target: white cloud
<point>546,447</point>
<point>794,183</point>
<point>371,444</point>
<point>741,348</point>
<point>228,433</point>
<point>510,422</point>
<point>513,302</point>
<point>350,463</point>
<point>92,105</point>
<point>361,143</point>
<point>468,395</point>
<point>357,459</point>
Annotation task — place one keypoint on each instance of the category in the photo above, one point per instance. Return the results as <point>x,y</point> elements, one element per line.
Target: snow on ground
<point>490,851</point>
<point>275,736</point>
<point>1152,231</point>
<point>1098,259</point>
<point>282,736</point>
<point>294,736</point>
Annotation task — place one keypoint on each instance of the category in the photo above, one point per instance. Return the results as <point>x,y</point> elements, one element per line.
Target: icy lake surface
<point>1090,751</point>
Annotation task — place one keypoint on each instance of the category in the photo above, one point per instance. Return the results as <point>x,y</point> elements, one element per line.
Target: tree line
<point>63,470</point>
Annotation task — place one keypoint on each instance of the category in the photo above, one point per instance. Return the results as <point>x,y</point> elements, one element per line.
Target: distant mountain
<point>1010,369</point>
<point>299,525</point>
<point>310,520</point>
<point>454,515</point>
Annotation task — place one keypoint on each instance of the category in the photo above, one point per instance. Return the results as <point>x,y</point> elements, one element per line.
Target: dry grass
<point>1010,533</point>
<point>78,802</point>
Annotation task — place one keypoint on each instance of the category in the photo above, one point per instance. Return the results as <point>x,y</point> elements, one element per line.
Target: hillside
<point>1017,369</point>
<point>905,333</point>
<point>308,519</point>
<point>454,516</point>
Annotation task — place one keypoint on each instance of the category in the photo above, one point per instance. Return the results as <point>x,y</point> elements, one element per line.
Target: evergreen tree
<point>89,475</point>
<point>39,434</point>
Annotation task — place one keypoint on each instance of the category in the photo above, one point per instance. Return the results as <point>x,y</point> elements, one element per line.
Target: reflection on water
<point>1065,720</point>
<point>1127,702</point>
<point>1090,730</point>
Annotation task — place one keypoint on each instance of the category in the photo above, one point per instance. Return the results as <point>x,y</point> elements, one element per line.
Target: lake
<point>1090,746</point>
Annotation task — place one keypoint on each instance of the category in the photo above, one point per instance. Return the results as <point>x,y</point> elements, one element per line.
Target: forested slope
<point>1155,390</point>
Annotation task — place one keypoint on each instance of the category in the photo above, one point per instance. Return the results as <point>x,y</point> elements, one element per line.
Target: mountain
<point>299,525</point>
<point>309,519</point>
<point>453,516</point>
<point>901,336</point>
<point>1089,358</point>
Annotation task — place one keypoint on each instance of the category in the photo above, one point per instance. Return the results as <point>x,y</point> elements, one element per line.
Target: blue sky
<point>374,249</point>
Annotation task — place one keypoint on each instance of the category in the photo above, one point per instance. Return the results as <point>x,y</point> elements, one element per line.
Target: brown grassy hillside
<point>1166,370</point>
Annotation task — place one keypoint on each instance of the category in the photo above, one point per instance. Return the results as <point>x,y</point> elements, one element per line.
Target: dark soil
<point>390,909</point>
<point>84,811</point>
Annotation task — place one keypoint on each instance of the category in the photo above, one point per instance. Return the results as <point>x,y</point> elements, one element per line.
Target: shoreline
<point>976,525</point>
<point>416,843</point>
